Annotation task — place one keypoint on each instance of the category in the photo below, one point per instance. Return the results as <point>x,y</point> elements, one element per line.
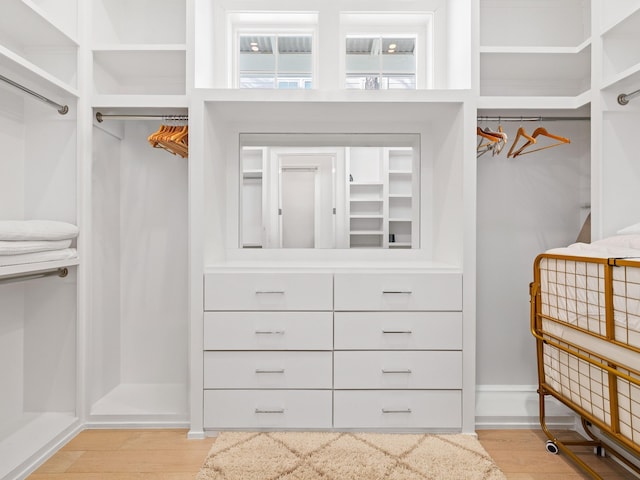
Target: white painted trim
<point>517,406</point>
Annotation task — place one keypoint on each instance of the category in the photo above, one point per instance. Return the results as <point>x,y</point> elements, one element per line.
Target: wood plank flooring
<point>169,455</point>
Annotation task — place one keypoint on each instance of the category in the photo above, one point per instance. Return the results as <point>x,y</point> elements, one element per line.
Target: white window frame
<point>276,24</point>
<point>405,24</point>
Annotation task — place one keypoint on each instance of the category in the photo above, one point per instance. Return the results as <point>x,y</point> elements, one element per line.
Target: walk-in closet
<point>381,202</point>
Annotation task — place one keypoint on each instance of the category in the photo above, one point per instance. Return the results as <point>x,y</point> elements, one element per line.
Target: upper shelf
<point>621,56</point>
<point>125,22</point>
<point>35,49</point>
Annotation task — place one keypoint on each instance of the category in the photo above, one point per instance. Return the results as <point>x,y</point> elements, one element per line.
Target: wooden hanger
<point>542,131</point>
<point>521,133</point>
<point>483,148</point>
<point>501,135</point>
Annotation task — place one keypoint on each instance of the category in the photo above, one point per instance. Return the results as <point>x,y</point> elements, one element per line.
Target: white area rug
<point>347,456</point>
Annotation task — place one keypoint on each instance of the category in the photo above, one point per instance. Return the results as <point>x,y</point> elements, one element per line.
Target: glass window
<point>380,62</point>
<point>275,61</point>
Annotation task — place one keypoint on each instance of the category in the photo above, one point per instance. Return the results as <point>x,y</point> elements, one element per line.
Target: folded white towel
<point>16,247</point>
<point>67,253</point>
<point>36,230</point>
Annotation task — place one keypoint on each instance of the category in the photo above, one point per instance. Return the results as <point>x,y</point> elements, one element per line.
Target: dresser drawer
<point>268,330</point>
<point>398,370</point>
<point>406,291</point>
<point>398,330</point>
<point>267,370</point>
<point>393,409</point>
<point>267,409</point>
<point>268,291</point>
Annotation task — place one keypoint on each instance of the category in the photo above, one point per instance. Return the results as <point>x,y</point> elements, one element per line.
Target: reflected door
<point>298,204</point>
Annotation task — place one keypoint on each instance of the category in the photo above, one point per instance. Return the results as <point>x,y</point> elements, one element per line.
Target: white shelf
<point>372,216</point>
<point>621,57</point>
<point>615,12</point>
<point>30,435</point>
<point>141,71</point>
<point>399,219</point>
<point>366,232</point>
<point>126,22</point>
<point>534,103</point>
<point>144,400</point>
<point>35,49</point>
<point>559,71</point>
<point>29,268</point>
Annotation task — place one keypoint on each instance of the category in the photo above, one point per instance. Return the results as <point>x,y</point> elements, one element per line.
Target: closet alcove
<point>138,332</point>
<point>38,316</point>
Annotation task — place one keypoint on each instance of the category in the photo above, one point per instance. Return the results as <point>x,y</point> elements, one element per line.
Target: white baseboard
<point>517,406</point>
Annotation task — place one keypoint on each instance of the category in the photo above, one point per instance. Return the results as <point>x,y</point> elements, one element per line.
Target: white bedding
<point>48,256</point>
<point>21,230</point>
<point>31,246</point>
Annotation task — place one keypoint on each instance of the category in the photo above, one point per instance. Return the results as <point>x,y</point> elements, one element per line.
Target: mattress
<point>585,359</point>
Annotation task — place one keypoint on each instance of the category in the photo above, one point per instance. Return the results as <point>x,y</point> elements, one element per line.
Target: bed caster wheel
<point>599,451</point>
<point>552,447</point>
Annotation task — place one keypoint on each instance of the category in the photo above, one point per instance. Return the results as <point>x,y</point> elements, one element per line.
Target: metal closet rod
<point>101,116</point>
<point>531,119</point>
<point>19,277</point>
<point>624,98</point>
<point>62,109</point>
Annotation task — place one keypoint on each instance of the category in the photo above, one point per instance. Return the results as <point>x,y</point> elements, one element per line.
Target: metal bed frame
<point>576,298</point>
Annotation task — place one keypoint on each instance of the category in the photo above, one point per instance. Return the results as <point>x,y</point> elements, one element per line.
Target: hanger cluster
<point>172,138</point>
<point>495,141</point>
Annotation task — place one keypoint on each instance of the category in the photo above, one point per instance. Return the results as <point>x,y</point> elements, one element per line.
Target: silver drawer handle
<point>408,370</point>
<point>408,332</point>
<point>270,410</point>
<point>397,292</point>
<point>391,410</point>
<point>269,332</point>
<point>280,370</point>
<point>269,292</point>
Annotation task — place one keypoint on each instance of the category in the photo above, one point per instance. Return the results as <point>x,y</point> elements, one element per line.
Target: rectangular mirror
<point>329,191</point>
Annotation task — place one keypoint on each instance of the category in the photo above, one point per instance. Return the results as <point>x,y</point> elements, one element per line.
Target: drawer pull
<point>269,332</point>
<point>259,370</point>
<point>397,292</point>
<point>269,292</point>
<point>270,410</point>
<point>407,370</point>
<point>407,332</point>
<point>393,410</point>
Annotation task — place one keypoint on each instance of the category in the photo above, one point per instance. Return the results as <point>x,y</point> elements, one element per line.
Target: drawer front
<point>398,330</point>
<point>267,409</point>
<point>398,370</point>
<point>268,330</point>
<point>398,410</point>
<point>267,370</point>
<point>268,291</point>
<point>410,291</point>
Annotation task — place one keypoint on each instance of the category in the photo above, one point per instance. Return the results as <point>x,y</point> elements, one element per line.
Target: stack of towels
<point>29,241</point>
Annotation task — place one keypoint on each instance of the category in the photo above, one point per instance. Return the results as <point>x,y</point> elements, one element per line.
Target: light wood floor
<point>168,455</point>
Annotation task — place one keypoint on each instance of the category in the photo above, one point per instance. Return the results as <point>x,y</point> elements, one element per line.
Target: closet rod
<point>531,119</point>
<point>624,98</point>
<point>62,109</point>
<point>18,277</point>
<point>101,116</point>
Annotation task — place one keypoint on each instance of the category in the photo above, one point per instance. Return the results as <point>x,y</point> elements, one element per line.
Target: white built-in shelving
<point>138,54</point>
<point>137,348</point>
<point>39,317</point>
<point>534,50</point>
<point>35,50</point>
<point>621,59</point>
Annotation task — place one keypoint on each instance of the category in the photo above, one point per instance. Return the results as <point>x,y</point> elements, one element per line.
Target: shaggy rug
<point>347,456</point>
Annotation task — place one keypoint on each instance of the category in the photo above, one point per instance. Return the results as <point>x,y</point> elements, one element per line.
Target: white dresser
<point>333,351</point>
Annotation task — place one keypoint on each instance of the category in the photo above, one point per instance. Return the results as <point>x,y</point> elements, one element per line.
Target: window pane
<point>263,58</point>
<point>380,62</point>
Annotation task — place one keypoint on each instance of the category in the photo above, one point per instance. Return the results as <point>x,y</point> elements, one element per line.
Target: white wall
<point>526,205</point>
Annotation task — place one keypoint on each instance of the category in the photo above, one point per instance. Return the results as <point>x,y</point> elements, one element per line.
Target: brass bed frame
<point>585,317</point>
